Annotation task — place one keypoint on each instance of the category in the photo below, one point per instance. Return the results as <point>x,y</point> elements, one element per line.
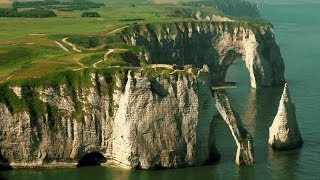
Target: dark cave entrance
<point>4,163</point>
<point>91,159</point>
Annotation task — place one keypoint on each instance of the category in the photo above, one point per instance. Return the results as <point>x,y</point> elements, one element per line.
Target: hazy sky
<point>286,1</point>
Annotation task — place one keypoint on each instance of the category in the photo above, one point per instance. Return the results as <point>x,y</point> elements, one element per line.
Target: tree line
<point>29,13</point>
<point>59,5</point>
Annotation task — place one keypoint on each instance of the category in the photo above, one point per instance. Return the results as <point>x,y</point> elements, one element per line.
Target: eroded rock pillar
<point>243,139</point>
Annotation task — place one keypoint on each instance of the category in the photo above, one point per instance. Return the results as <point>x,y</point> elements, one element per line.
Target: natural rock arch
<point>259,52</point>
<point>214,44</point>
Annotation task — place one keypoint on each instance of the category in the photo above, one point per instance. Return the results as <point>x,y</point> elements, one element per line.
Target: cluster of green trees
<point>90,14</point>
<point>85,41</point>
<point>59,5</point>
<point>8,12</point>
<point>30,13</point>
<point>34,4</point>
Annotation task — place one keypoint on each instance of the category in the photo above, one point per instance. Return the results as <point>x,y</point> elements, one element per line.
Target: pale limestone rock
<point>144,122</point>
<point>284,133</point>
<point>198,15</point>
<point>244,141</point>
<point>17,91</point>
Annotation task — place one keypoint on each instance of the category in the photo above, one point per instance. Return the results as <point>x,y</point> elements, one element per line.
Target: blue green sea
<point>297,28</point>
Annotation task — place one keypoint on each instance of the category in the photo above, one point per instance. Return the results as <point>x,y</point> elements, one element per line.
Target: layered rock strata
<point>243,139</point>
<point>284,133</point>
<point>133,120</point>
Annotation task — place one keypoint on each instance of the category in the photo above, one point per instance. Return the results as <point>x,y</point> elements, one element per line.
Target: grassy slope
<point>27,47</point>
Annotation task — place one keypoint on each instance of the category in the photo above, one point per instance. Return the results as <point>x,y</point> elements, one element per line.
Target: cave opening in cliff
<point>4,163</point>
<point>237,74</point>
<point>91,159</point>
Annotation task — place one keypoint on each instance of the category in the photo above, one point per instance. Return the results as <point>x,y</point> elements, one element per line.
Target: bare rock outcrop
<point>244,141</point>
<point>284,133</point>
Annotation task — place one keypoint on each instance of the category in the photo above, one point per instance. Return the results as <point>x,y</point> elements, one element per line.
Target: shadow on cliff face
<point>4,164</point>
<point>91,159</point>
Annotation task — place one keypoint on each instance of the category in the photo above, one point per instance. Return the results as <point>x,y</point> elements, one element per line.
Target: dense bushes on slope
<point>30,13</point>
<point>59,5</point>
<point>90,14</point>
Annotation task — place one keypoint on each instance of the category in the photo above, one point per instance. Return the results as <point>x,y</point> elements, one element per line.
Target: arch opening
<point>91,159</point>
<point>237,74</point>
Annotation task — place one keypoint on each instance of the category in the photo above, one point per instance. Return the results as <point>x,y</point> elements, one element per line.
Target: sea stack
<point>244,141</point>
<point>284,132</point>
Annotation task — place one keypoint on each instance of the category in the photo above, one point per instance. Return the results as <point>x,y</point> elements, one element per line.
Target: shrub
<point>8,12</point>
<point>90,14</point>
<point>85,41</point>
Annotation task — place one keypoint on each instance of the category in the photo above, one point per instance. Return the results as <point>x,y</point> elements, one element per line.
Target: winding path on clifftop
<point>65,40</point>
<point>110,50</point>
<point>105,57</point>
<point>62,46</point>
<point>166,66</point>
<point>77,69</point>
<point>116,30</point>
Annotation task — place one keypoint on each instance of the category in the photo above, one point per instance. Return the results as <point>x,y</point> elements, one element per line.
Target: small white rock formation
<point>284,133</point>
<point>244,141</point>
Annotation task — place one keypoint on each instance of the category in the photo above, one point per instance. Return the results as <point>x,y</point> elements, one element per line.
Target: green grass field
<point>29,47</point>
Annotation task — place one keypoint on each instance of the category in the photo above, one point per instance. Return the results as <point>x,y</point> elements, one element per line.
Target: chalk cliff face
<point>243,139</point>
<point>284,133</point>
<point>142,122</point>
<point>135,120</point>
<point>216,44</point>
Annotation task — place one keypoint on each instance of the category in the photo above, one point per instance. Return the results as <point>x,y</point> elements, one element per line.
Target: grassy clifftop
<point>34,48</point>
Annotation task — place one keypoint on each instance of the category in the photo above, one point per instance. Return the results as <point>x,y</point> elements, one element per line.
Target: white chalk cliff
<point>145,122</point>
<point>284,133</point>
